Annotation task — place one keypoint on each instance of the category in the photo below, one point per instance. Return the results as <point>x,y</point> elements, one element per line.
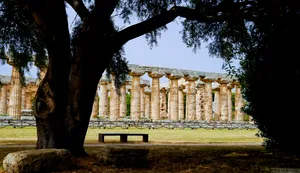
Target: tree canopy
<point>258,33</point>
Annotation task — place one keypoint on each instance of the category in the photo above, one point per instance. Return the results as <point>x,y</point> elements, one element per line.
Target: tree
<point>236,29</point>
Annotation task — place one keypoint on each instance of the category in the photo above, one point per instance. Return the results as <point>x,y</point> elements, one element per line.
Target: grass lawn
<point>187,159</point>
<point>27,135</point>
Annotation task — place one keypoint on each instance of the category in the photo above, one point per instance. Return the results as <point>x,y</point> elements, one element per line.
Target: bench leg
<point>123,138</point>
<point>101,138</point>
<point>145,138</point>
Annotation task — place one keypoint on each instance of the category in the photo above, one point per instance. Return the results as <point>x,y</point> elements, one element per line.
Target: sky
<point>171,52</point>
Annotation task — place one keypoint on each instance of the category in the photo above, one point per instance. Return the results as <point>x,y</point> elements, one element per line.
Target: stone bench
<point>123,136</point>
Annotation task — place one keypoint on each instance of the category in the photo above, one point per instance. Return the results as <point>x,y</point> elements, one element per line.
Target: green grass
<point>27,135</point>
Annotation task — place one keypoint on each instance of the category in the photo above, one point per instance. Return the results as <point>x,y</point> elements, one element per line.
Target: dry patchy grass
<point>187,159</point>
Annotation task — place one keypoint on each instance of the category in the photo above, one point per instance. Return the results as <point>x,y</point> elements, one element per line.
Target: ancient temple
<point>188,95</point>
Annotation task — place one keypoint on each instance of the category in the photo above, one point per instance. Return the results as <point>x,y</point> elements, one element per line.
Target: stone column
<point>168,102</point>
<point>95,110</point>
<point>217,104</point>
<point>199,101</point>
<point>23,102</point>
<point>191,97</point>
<point>239,103</point>
<point>229,95</point>
<point>163,103</point>
<point>135,107</point>
<point>147,102</point>
<point>142,98</point>
<point>114,106</point>
<point>224,99</point>
<point>42,72</point>
<point>174,107</point>
<point>155,95</point>
<point>103,100</point>
<point>15,94</point>
<point>181,102</point>
<point>3,100</point>
<point>123,104</point>
<point>31,90</point>
<point>207,98</point>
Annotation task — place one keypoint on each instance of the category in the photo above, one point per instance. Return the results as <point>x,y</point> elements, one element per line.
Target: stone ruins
<point>189,95</point>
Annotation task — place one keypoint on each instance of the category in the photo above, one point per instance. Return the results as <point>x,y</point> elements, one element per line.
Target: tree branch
<point>160,20</point>
<point>164,18</point>
<point>80,9</point>
<point>106,7</point>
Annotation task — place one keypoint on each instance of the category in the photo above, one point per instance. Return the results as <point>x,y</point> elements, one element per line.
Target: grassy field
<point>187,159</point>
<point>27,135</point>
<point>168,159</point>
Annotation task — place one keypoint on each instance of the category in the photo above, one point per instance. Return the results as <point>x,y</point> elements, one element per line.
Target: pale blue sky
<point>171,52</point>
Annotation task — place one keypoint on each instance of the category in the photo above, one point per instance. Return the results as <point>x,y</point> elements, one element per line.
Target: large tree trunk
<point>90,62</point>
<point>65,96</point>
<point>52,95</point>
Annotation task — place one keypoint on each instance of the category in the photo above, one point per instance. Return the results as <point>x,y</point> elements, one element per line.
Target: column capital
<point>181,87</point>
<point>200,84</point>
<point>191,77</point>
<point>216,89</point>
<point>230,86</point>
<point>136,73</point>
<point>155,74</point>
<point>102,82</point>
<point>147,91</point>
<point>222,81</point>
<point>144,83</point>
<point>236,83</point>
<point>173,76</point>
<point>207,79</point>
<point>163,89</point>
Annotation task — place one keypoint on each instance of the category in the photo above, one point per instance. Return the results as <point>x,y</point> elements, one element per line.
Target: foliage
<point>19,36</point>
<point>258,33</point>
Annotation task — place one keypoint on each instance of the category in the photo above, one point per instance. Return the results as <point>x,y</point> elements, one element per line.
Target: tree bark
<point>65,96</point>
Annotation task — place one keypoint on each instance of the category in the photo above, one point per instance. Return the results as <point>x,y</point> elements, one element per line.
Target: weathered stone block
<point>42,160</point>
<point>124,156</point>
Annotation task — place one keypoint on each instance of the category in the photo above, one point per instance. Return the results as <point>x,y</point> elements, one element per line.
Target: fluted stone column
<point>191,95</point>
<point>207,98</point>
<point>114,106</point>
<point>239,103</point>
<point>103,100</point>
<point>147,102</point>
<point>14,106</point>
<point>155,95</point>
<point>28,101</point>
<point>181,102</point>
<point>142,98</point>
<point>95,110</point>
<point>199,101</point>
<point>217,104</point>
<point>174,107</point>
<point>224,100</point>
<point>123,104</point>
<point>23,102</point>
<point>3,100</point>
<point>135,107</point>
<point>229,95</point>
<point>163,103</point>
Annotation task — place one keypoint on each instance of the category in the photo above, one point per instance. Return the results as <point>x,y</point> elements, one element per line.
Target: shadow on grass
<point>189,159</point>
